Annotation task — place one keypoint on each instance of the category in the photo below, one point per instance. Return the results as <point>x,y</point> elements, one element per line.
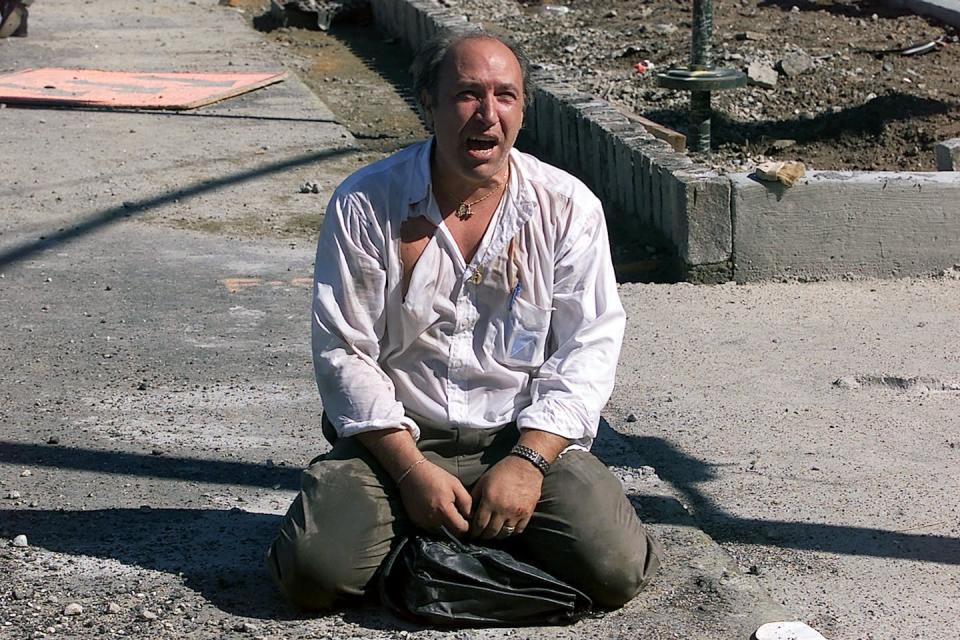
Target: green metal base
<point>702,80</point>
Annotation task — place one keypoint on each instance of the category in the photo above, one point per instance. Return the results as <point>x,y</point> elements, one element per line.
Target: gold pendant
<point>463,211</point>
<point>477,276</point>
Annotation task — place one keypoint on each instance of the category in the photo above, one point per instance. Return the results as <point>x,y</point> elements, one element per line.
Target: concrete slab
<point>834,223</point>
<point>948,155</point>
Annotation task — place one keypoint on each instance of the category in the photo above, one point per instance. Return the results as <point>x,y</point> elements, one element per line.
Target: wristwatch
<point>531,456</point>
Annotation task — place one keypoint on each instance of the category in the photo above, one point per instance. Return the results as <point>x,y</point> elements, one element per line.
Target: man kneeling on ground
<point>466,329</point>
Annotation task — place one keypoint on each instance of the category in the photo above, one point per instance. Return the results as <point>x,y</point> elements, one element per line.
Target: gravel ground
<point>834,104</point>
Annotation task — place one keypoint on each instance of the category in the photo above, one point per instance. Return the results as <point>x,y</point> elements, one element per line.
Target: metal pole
<point>700,60</point>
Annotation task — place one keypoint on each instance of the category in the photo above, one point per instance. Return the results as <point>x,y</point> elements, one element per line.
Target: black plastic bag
<point>444,581</point>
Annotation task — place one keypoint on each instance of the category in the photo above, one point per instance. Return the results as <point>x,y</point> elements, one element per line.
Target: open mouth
<point>480,144</point>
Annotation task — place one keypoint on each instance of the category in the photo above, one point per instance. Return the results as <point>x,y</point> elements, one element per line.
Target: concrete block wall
<point>636,175</point>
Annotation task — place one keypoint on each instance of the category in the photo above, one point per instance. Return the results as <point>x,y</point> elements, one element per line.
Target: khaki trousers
<point>348,514</point>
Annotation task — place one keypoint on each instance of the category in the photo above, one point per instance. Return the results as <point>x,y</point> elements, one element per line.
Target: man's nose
<point>487,110</point>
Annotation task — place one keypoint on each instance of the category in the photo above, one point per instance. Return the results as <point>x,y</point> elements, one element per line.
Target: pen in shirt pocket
<point>513,272</point>
<point>514,295</point>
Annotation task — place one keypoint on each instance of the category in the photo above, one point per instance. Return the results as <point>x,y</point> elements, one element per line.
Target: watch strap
<point>532,456</point>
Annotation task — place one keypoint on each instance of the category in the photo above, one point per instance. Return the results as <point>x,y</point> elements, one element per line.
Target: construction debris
<point>786,173</point>
<point>314,14</point>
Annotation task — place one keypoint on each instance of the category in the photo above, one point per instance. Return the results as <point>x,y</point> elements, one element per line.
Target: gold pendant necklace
<point>464,210</point>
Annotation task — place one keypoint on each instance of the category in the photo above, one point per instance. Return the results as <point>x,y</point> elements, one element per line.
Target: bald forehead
<point>482,55</point>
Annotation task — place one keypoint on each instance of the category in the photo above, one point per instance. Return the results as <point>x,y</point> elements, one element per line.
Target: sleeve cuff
<point>347,429</point>
<point>565,418</point>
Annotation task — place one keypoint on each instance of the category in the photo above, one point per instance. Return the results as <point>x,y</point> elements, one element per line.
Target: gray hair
<point>426,65</point>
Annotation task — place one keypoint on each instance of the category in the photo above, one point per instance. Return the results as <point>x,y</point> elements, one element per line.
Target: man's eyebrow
<point>500,86</point>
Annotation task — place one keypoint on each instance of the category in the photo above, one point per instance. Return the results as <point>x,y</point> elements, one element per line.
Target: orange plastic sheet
<point>119,89</point>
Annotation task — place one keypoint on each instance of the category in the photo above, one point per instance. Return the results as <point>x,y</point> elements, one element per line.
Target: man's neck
<point>452,189</point>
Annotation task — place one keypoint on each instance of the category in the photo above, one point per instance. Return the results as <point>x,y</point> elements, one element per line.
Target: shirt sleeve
<point>586,328</point>
<point>348,321</point>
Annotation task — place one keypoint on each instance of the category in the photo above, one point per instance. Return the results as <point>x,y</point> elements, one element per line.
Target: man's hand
<point>433,498</point>
<point>506,496</point>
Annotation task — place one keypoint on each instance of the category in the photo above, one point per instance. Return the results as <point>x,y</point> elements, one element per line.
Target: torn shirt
<point>528,331</point>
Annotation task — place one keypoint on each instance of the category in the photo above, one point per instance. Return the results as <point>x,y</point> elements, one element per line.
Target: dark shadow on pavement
<point>245,474</point>
<point>171,113</point>
<point>684,473</point>
<point>134,208</point>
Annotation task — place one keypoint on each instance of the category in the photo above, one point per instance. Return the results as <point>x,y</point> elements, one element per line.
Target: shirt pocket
<point>521,337</point>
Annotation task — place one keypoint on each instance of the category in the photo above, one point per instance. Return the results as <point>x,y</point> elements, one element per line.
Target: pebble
<point>762,75</point>
<point>632,417</point>
<point>53,440</point>
<point>13,495</point>
<point>796,63</point>
<point>21,593</point>
<point>780,145</point>
<point>665,29</point>
<point>146,614</point>
<point>113,608</point>
<point>72,609</point>
<point>751,35</point>
<point>20,541</point>
<point>26,473</point>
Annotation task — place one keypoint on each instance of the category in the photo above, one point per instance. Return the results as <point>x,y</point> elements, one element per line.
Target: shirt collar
<point>420,184</point>
<point>420,175</point>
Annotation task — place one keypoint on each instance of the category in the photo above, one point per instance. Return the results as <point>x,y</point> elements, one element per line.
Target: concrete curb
<point>832,223</point>
<point>725,227</point>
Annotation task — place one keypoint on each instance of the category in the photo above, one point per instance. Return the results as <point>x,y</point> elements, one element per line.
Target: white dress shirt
<point>528,331</point>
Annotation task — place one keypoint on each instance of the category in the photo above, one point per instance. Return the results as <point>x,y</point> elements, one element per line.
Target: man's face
<point>478,110</point>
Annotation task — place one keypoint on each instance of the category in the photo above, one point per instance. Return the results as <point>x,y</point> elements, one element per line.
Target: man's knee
<point>333,538</point>
<point>313,574</point>
<point>614,574</point>
<point>596,532</point>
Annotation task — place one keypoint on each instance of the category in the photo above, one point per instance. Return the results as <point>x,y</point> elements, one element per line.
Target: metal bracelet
<point>532,456</point>
<point>409,469</point>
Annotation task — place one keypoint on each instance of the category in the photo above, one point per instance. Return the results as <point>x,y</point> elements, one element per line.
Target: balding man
<point>466,329</point>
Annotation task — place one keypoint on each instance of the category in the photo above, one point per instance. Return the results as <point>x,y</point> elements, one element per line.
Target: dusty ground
<point>851,110</point>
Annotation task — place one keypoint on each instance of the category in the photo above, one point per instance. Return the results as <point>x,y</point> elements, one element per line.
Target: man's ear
<point>426,108</point>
